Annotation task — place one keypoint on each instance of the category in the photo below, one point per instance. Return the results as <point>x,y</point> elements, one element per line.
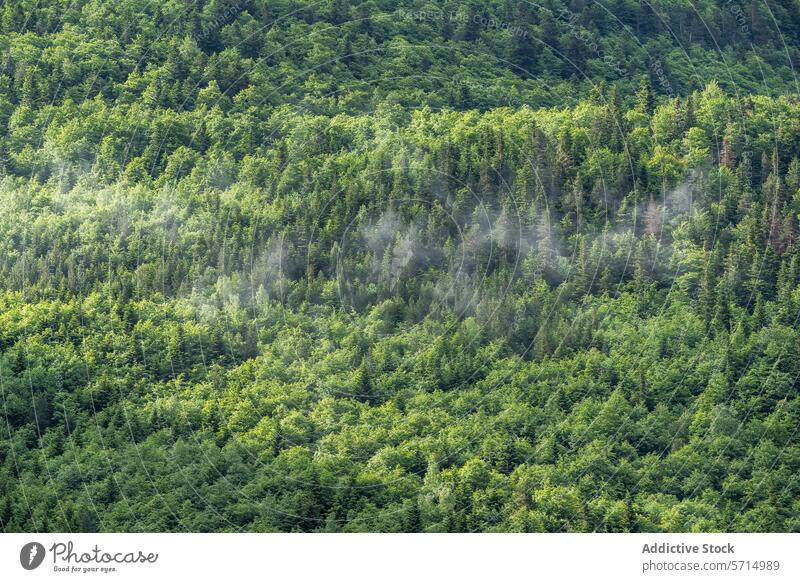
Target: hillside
<point>360,267</point>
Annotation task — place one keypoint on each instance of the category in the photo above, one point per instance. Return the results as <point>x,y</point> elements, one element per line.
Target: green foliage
<point>332,272</point>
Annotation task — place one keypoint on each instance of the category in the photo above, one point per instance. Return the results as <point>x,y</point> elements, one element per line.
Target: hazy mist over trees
<point>397,266</point>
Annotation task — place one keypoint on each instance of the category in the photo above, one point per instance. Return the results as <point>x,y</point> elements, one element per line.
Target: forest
<point>397,266</point>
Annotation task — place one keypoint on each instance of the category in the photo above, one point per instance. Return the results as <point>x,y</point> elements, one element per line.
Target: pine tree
<point>363,384</point>
<point>472,27</point>
<point>645,100</point>
<point>340,11</point>
<point>727,158</point>
<point>413,521</point>
<point>524,48</point>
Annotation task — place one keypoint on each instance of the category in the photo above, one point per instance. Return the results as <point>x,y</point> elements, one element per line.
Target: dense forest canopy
<point>399,266</point>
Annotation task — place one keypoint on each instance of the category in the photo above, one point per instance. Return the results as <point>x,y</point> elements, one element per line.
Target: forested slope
<point>290,279</point>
